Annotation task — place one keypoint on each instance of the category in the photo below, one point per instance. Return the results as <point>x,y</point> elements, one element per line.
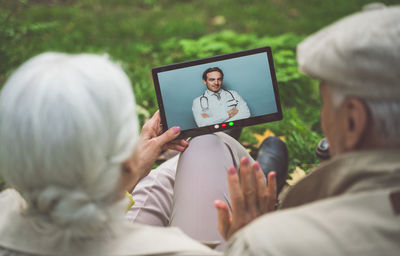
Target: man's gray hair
<point>67,122</point>
<point>384,113</point>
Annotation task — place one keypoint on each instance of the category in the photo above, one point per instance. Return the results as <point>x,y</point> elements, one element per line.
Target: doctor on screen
<point>216,104</point>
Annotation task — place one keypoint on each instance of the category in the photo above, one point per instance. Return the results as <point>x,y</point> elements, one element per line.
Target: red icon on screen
<point>223,125</point>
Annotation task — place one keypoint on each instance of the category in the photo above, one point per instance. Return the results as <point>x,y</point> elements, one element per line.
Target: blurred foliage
<point>142,34</point>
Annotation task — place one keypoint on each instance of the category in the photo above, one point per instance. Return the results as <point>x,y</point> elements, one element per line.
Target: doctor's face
<point>214,81</point>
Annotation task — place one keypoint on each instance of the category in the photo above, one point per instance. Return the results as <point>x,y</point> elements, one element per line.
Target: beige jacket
<point>18,236</point>
<point>348,206</point>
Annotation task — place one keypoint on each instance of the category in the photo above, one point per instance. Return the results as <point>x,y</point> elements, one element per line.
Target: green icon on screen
<point>230,123</point>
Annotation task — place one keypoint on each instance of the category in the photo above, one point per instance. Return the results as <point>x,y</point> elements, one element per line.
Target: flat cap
<point>359,54</point>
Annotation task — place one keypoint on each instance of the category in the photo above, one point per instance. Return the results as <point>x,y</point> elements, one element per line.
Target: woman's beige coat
<point>19,236</point>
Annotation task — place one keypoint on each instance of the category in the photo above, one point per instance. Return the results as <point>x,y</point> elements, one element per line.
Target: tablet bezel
<point>238,123</point>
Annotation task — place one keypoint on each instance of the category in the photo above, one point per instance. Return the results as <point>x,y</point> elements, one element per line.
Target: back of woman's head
<point>67,122</point>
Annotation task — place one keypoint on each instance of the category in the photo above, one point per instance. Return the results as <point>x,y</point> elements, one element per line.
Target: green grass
<point>124,27</point>
<point>146,33</point>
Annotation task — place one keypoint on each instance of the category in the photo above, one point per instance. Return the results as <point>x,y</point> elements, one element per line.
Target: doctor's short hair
<point>209,70</point>
<point>67,123</point>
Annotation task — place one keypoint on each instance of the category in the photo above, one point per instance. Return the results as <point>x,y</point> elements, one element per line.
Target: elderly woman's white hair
<point>67,122</point>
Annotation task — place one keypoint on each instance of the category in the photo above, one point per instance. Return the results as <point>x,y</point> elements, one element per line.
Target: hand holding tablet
<point>216,93</point>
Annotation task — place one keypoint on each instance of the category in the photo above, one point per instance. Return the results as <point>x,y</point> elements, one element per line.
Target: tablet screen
<point>218,93</point>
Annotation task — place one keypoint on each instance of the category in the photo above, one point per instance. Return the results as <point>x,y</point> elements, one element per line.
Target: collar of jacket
<point>352,172</point>
<point>210,93</point>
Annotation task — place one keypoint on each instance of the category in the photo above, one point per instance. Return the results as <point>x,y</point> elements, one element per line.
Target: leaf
<point>295,176</point>
<point>131,201</point>
<point>261,137</point>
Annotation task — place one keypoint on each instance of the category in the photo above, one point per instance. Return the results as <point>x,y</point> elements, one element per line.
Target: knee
<point>205,146</point>
<point>205,140</point>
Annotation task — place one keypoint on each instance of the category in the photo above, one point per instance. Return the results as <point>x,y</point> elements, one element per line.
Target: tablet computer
<point>218,93</point>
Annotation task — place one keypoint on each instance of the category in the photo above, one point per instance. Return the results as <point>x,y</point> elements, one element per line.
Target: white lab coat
<point>217,108</point>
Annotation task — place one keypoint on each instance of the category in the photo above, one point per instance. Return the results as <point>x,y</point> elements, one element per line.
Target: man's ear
<point>204,81</point>
<point>356,123</point>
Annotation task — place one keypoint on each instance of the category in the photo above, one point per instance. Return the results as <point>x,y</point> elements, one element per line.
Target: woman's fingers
<point>156,117</point>
<point>150,127</point>
<point>179,145</point>
<point>175,147</point>
<point>237,199</point>
<point>271,191</point>
<point>262,193</point>
<point>249,187</point>
<point>224,219</point>
<point>168,136</point>
<point>250,197</point>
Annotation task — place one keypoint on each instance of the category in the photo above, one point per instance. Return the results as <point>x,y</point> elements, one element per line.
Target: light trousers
<point>181,191</point>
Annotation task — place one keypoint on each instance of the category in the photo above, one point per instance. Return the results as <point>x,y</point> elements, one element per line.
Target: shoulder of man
<point>237,96</point>
<point>235,93</point>
<point>351,224</point>
<point>197,100</point>
<point>232,91</point>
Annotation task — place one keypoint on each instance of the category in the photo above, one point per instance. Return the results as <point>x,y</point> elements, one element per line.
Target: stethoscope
<point>204,97</point>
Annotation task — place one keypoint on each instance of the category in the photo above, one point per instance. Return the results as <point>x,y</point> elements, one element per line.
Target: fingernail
<point>231,170</point>
<point>177,129</point>
<point>245,161</point>
<point>257,166</point>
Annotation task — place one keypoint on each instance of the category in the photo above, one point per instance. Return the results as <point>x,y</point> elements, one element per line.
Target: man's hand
<point>148,148</point>
<point>249,199</point>
<point>233,112</point>
<point>204,115</point>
